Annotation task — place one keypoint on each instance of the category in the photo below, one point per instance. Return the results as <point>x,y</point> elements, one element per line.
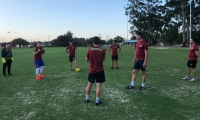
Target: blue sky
<point>37,19</point>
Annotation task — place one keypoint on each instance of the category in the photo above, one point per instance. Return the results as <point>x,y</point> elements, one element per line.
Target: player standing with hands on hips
<point>140,60</point>
<point>114,53</point>
<point>71,51</point>
<point>192,60</point>
<point>7,59</point>
<point>95,56</point>
<point>39,63</point>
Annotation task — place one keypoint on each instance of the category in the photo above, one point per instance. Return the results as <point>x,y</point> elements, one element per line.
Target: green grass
<point>60,95</point>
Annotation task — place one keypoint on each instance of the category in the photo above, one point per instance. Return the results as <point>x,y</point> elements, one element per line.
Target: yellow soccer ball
<point>78,69</point>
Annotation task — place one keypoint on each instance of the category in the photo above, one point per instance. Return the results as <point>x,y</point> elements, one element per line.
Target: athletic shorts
<point>71,58</point>
<point>139,65</point>
<point>38,63</point>
<point>98,77</point>
<point>115,57</point>
<point>191,63</point>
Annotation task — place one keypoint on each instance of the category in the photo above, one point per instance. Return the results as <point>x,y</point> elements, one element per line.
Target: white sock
<point>42,69</point>
<point>87,97</point>
<point>97,100</point>
<point>132,83</point>
<point>37,71</point>
<point>143,84</point>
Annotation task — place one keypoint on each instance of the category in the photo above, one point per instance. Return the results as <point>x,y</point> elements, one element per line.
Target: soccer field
<point>60,95</point>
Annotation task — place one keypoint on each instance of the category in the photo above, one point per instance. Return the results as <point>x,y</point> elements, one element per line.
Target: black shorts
<point>139,65</point>
<point>99,77</point>
<point>115,57</point>
<point>191,63</point>
<point>71,58</point>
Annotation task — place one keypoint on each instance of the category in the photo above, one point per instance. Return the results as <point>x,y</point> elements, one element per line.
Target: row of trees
<point>63,40</point>
<point>167,20</point>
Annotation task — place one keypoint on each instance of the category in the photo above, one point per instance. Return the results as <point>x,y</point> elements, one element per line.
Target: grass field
<point>60,95</point>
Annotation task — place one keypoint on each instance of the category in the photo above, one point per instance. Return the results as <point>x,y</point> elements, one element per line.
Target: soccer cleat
<point>87,101</point>
<point>41,76</point>
<point>4,75</point>
<point>111,68</point>
<point>192,80</point>
<point>185,78</point>
<point>130,87</point>
<point>98,103</point>
<point>71,70</point>
<point>141,88</point>
<point>38,77</point>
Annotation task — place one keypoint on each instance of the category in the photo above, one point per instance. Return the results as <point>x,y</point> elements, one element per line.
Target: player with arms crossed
<point>39,63</point>
<point>140,60</point>
<point>71,51</point>
<point>114,53</point>
<point>192,60</point>
<point>95,56</point>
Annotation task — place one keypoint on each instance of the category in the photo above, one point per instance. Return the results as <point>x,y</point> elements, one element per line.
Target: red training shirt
<point>192,55</point>
<point>38,56</point>
<point>96,57</point>
<point>71,50</point>
<point>114,49</point>
<point>141,46</point>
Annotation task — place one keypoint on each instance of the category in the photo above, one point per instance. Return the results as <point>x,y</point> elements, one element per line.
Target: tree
<point>146,16</point>
<point>181,10</point>
<point>119,39</point>
<point>63,40</point>
<point>19,41</point>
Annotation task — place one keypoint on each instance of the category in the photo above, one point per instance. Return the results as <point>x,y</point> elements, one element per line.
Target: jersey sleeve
<point>35,49</point>
<point>196,48</point>
<point>87,55</point>
<point>145,46</point>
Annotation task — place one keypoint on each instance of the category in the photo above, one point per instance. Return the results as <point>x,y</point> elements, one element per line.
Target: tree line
<point>164,20</point>
<point>63,41</point>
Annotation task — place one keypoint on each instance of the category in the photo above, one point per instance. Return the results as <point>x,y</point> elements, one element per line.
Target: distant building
<point>129,42</point>
<point>78,39</point>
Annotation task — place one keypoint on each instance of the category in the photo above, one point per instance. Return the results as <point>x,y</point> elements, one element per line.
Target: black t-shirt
<point>6,53</point>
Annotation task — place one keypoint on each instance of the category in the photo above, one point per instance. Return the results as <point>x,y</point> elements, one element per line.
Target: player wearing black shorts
<point>95,56</point>
<point>71,50</point>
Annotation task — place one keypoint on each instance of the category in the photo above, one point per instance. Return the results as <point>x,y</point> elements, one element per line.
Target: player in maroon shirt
<point>95,56</point>
<point>71,51</point>
<point>140,60</point>
<point>192,60</point>
<point>39,63</point>
<point>114,53</point>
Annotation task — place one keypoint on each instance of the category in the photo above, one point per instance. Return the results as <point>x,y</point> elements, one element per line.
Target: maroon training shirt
<point>96,57</point>
<point>114,49</point>
<point>192,55</point>
<point>141,46</point>
<point>38,56</point>
<point>71,50</point>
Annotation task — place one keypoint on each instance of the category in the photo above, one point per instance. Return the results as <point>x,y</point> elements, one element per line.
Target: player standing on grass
<point>192,60</point>
<point>7,59</point>
<point>39,63</point>
<point>114,53</point>
<point>95,56</point>
<point>71,51</point>
<point>140,60</point>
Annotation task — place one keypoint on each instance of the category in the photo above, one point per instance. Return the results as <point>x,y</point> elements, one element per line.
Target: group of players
<point>96,56</point>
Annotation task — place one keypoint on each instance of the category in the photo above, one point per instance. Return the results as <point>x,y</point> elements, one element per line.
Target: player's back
<point>96,57</point>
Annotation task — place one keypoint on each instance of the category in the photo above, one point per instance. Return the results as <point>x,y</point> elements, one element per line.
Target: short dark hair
<point>140,34</point>
<point>96,40</point>
<point>194,39</point>
<point>38,42</point>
